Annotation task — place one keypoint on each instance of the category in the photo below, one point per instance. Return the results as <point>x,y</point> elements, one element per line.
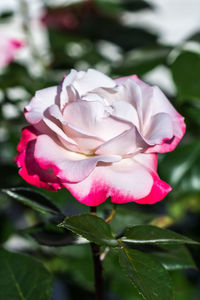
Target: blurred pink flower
<point>60,19</point>
<point>99,137</point>
<point>8,49</point>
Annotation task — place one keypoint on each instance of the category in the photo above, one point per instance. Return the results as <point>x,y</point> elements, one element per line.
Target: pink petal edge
<point>29,169</point>
<point>168,146</point>
<point>100,191</point>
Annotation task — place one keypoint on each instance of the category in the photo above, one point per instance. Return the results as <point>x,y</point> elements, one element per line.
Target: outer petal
<point>150,101</point>
<point>68,166</point>
<point>29,168</point>
<point>130,180</point>
<point>161,104</point>
<point>160,130</point>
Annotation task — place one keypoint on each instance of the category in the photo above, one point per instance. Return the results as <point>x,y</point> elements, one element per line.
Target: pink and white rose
<point>8,49</point>
<point>99,137</point>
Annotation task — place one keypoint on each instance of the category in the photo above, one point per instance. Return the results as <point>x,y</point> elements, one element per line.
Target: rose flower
<point>99,137</point>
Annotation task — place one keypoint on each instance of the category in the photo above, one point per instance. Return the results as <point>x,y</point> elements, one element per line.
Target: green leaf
<point>149,234</point>
<point>33,199</point>
<point>92,228</point>
<point>184,288</point>
<point>146,274</point>
<point>23,278</point>
<point>118,283</point>
<point>50,234</point>
<point>181,169</point>
<point>186,73</point>
<point>175,257</point>
<point>6,227</point>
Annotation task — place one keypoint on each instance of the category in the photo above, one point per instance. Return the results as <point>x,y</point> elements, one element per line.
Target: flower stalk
<point>111,216</point>
<point>98,278</point>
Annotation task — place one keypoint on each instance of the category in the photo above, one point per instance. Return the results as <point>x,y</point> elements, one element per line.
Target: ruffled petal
<point>91,80</point>
<point>69,143</point>
<point>43,99</point>
<point>121,80</point>
<point>67,93</point>
<point>93,118</point>
<point>139,96</point>
<point>160,130</point>
<point>75,139</point>
<point>127,143</point>
<point>126,112</point>
<point>68,166</point>
<point>130,180</point>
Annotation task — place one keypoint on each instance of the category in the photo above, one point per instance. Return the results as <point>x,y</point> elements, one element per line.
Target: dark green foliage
<point>185,71</point>
<point>174,257</point>
<point>181,169</point>
<point>147,274</point>
<point>23,278</point>
<point>51,235</point>
<point>92,228</point>
<point>148,234</point>
<point>33,199</point>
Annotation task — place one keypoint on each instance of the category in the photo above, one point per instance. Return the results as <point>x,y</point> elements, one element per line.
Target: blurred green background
<point>100,34</point>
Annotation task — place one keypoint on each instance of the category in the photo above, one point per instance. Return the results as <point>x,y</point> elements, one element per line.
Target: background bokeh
<point>157,40</point>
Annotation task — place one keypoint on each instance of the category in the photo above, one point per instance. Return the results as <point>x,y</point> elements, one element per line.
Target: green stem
<point>98,278</point>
